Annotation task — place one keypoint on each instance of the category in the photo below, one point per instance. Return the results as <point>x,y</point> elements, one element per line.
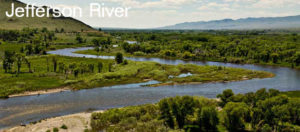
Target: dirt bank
<point>75,123</point>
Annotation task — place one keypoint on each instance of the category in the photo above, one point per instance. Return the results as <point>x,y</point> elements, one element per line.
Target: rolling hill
<point>289,22</point>
<point>67,23</point>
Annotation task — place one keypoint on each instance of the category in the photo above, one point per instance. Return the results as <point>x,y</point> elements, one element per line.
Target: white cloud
<point>152,4</point>
<point>275,3</point>
<point>216,6</point>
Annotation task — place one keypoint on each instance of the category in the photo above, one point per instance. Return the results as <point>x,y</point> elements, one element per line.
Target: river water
<point>22,110</point>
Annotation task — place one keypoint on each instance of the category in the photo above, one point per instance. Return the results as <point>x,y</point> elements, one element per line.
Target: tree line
<point>281,49</point>
<point>262,111</point>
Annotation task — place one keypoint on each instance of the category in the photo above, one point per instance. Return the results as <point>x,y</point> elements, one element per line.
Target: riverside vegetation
<point>263,111</point>
<point>254,47</point>
<point>27,67</point>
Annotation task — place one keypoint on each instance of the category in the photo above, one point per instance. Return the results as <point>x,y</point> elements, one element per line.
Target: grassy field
<point>68,24</point>
<point>63,40</point>
<point>133,72</point>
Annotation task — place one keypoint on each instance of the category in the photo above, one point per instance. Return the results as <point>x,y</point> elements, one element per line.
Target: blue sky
<point>157,13</point>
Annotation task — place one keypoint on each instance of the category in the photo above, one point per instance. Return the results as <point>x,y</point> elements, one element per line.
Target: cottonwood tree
<point>119,58</point>
<point>234,116</point>
<point>8,61</point>
<point>207,119</point>
<point>28,65</point>
<point>100,66</point>
<point>54,61</point>
<point>110,66</point>
<point>20,59</point>
<point>166,114</point>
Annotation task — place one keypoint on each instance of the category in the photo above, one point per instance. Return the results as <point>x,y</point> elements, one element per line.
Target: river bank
<point>45,81</point>
<point>75,123</point>
<point>68,88</point>
<point>41,92</point>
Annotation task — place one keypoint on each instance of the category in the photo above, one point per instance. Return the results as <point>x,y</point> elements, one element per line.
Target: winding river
<point>22,110</point>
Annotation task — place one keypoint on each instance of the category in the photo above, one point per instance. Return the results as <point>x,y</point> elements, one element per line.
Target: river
<point>22,110</point>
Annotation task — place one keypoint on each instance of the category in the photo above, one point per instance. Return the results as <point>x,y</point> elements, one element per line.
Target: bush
<point>139,53</point>
<point>64,127</point>
<point>119,58</point>
<point>55,129</point>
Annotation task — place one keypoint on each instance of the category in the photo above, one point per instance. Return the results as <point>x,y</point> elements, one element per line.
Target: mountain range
<point>289,22</point>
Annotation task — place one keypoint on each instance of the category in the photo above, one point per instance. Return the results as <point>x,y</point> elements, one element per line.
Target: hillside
<point>69,24</point>
<point>290,22</point>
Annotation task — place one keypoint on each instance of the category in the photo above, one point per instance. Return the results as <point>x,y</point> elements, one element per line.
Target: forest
<point>252,47</point>
<point>262,111</point>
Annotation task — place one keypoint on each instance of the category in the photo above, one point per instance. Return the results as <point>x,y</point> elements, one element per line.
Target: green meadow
<point>41,75</point>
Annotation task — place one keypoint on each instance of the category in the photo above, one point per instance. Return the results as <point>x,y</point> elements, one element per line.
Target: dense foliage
<point>260,111</point>
<point>234,47</point>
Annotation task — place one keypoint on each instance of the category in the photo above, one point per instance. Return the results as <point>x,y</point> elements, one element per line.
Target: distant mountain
<point>67,23</point>
<point>289,22</point>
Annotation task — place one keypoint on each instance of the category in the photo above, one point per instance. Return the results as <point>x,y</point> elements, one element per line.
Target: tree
<point>44,30</point>
<point>100,66</point>
<point>96,42</point>
<point>56,30</point>
<point>48,68</point>
<point>119,58</point>
<point>166,115</point>
<point>275,57</point>
<point>54,61</point>
<point>273,110</point>
<point>110,66</point>
<point>125,62</point>
<point>97,50</point>
<point>9,59</point>
<point>29,49</point>
<point>297,58</point>
<point>76,72</point>
<point>294,111</point>
<point>28,65</point>
<point>91,67</point>
<point>61,67</point>
<point>207,119</point>
<point>72,67</point>
<point>234,116</point>
<point>181,107</point>
<point>225,97</point>
<point>79,39</point>
<point>19,61</point>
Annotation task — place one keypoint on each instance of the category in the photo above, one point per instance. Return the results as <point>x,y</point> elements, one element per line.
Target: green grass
<point>110,52</point>
<point>292,94</point>
<point>134,72</point>
<point>69,24</point>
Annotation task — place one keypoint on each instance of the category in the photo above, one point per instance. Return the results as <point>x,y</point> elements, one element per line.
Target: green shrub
<point>64,127</point>
<point>139,53</point>
<point>55,129</point>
